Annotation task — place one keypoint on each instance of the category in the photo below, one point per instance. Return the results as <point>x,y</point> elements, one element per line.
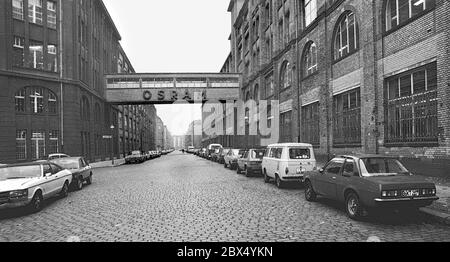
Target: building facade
<point>194,135</point>
<point>350,76</point>
<point>53,56</point>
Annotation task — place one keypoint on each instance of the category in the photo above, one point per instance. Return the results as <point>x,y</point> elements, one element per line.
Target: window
<point>286,127</point>
<point>347,119</point>
<point>37,144</point>
<point>17,6</point>
<point>18,48</point>
<point>285,75</point>
<point>85,109</point>
<point>256,94</point>
<point>334,167</point>
<point>270,88</point>
<point>52,103</point>
<point>20,100</point>
<point>310,124</point>
<point>399,12</point>
<point>37,100</point>
<point>310,59</point>
<point>299,153</point>
<point>349,168</point>
<point>97,114</point>
<point>310,11</point>
<point>53,143</point>
<point>51,14</point>
<point>21,144</point>
<point>287,30</point>
<point>52,64</point>
<point>35,11</point>
<point>36,55</point>
<point>412,107</point>
<point>346,36</point>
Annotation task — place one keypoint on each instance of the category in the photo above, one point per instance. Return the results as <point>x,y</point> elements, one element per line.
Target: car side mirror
<point>47,174</point>
<point>321,170</point>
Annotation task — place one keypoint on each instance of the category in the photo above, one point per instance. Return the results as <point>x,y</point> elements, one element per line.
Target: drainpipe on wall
<point>60,44</point>
<point>327,85</point>
<point>299,68</point>
<point>375,80</point>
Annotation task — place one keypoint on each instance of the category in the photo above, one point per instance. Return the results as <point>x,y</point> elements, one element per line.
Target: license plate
<point>410,193</point>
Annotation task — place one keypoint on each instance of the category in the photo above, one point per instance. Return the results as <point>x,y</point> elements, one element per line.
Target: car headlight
<point>18,194</point>
<point>389,193</point>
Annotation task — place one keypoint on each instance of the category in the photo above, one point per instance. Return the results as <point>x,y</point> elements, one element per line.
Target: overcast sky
<point>162,36</point>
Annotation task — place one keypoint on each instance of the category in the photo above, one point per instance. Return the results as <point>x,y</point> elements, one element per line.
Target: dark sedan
<point>368,182</point>
<point>80,168</point>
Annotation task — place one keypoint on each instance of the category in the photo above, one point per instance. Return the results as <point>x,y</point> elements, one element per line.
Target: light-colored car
<point>57,156</point>
<point>80,168</point>
<point>28,185</point>
<point>288,162</point>
<point>212,150</point>
<point>231,158</point>
<point>250,162</point>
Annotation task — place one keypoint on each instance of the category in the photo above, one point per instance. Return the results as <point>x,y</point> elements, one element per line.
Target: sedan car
<point>230,160</point>
<point>135,157</point>
<point>251,162</point>
<point>369,182</point>
<point>80,168</point>
<point>28,185</point>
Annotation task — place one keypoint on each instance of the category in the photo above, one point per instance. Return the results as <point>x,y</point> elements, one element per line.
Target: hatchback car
<point>250,162</point>
<point>28,185</point>
<point>369,182</point>
<point>288,162</point>
<point>230,159</point>
<point>221,156</point>
<point>80,168</point>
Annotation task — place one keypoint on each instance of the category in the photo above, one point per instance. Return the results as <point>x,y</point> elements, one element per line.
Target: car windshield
<point>68,163</point>
<point>257,154</point>
<point>136,153</point>
<point>20,172</point>
<point>382,167</point>
<point>299,153</point>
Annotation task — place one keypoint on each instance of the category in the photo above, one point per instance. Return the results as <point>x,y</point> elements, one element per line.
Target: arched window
<point>256,93</point>
<point>399,12</point>
<point>85,109</point>
<point>346,37</point>
<point>97,113</point>
<point>285,75</point>
<point>310,59</point>
<point>52,103</point>
<point>247,96</point>
<point>20,100</point>
<point>37,100</point>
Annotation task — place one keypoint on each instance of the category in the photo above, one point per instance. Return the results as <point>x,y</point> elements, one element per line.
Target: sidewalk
<point>103,164</point>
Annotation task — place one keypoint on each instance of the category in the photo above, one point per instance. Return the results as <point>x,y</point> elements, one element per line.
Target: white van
<point>288,162</point>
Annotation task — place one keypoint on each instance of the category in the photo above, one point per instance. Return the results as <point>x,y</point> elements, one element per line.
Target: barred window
<point>35,11</point>
<point>310,11</point>
<point>286,75</point>
<point>51,14</point>
<point>286,127</point>
<point>400,12</point>
<point>52,64</point>
<point>412,105</point>
<point>20,100</point>
<point>269,86</point>
<point>36,52</point>
<point>37,144</point>
<point>21,144</point>
<point>53,146</point>
<point>19,54</point>
<point>17,9</point>
<point>310,124</point>
<point>347,119</point>
<point>346,36</point>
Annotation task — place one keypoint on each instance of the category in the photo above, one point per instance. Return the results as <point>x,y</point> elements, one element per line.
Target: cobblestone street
<point>185,198</point>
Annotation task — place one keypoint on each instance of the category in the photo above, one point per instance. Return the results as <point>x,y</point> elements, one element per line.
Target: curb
<point>441,217</point>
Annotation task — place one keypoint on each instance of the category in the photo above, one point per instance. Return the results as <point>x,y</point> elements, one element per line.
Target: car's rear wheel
<point>79,184</point>
<point>310,194</point>
<point>266,177</point>
<point>65,190</point>
<point>36,203</point>
<point>89,180</point>
<point>279,182</point>
<point>353,206</point>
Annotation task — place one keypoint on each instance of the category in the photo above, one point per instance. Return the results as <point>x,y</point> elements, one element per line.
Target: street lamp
<point>112,127</point>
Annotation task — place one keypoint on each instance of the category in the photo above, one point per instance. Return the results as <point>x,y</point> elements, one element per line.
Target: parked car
<point>135,157</point>
<point>190,150</point>
<point>80,168</point>
<point>221,155</point>
<point>215,155</point>
<point>251,162</point>
<point>28,185</point>
<point>367,182</point>
<point>288,162</point>
<point>211,150</point>
<point>202,153</point>
<point>230,160</point>
<point>56,156</point>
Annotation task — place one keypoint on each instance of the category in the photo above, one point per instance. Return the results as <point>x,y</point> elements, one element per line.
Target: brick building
<point>351,76</point>
<point>53,56</point>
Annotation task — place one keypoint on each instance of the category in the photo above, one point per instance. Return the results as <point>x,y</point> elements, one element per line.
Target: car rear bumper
<point>298,178</point>
<point>416,202</point>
